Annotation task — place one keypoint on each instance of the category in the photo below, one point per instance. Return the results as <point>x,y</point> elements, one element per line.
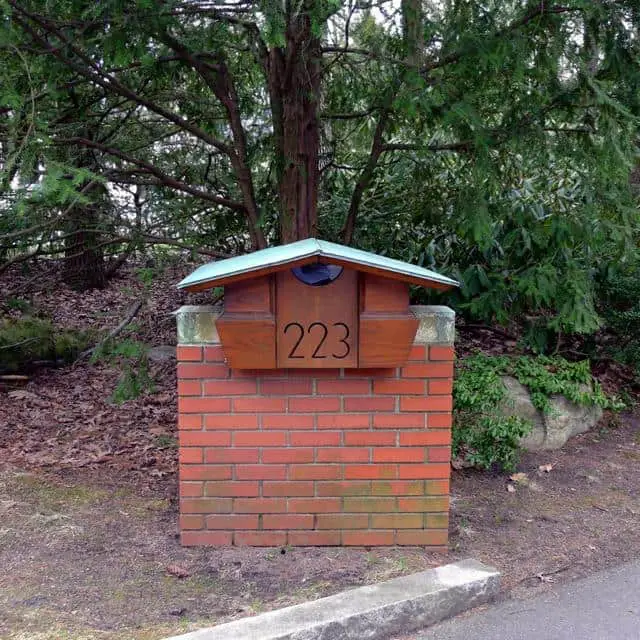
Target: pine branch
<point>452,146</point>
<point>49,223</point>
<point>92,71</point>
<point>164,178</point>
<point>542,9</point>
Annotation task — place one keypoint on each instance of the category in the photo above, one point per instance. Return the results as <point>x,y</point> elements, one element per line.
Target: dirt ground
<point>89,545</point>
<point>85,556</point>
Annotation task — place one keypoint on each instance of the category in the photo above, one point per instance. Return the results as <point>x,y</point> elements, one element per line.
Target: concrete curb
<point>373,612</point>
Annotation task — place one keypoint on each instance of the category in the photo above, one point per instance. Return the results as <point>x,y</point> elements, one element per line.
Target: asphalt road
<point>605,606</point>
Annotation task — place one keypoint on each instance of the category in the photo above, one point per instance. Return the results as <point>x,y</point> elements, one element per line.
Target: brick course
<point>314,457</point>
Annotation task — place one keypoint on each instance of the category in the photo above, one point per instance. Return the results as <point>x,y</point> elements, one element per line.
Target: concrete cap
<point>197,324</point>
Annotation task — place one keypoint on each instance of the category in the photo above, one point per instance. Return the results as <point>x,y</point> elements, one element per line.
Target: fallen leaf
<point>21,394</point>
<point>511,488</point>
<point>544,578</point>
<point>519,478</point>
<point>545,468</point>
<point>177,571</point>
<point>158,431</point>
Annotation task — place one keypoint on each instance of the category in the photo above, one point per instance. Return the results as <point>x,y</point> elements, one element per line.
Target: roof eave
<point>202,285</point>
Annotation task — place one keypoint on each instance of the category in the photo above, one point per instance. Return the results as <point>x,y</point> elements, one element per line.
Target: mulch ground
<point>88,513</point>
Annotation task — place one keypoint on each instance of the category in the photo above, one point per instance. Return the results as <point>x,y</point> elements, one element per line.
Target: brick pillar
<point>314,456</point>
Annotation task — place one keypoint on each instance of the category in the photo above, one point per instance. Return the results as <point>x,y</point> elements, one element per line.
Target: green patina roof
<point>311,250</point>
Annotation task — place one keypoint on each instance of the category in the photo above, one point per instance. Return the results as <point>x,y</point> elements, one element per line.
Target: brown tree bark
<point>84,266</point>
<point>294,87</point>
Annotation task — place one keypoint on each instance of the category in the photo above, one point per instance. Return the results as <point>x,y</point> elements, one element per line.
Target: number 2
<point>324,337</point>
<point>292,353</point>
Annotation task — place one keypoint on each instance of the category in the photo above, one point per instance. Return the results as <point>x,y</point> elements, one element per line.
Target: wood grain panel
<point>248,340</point>
<point>385,340</point>
<point>383,294</point>
<point>317,327</point>
<point>254,296</point>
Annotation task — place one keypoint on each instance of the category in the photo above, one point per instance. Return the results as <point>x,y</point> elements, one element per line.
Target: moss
<point>49,496</point>
<point>28,339</point>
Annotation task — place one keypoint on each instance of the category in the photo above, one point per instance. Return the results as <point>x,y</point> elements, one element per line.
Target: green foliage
<point>17,304</point>
<point>131,356</point>
<point>146,275</point>
<point>165,441</point>
<point>112,351</point>
<point>502,154</point>
<point>158,260</point>
<point>483,431</point>
<point>492,441</point>
<point>545,376</point>
<point>133,382</point>
<point>28,339</point>
<point>619,300</point>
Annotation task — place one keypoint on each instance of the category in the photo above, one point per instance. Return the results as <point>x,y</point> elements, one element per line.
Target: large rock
<point>553,428</point>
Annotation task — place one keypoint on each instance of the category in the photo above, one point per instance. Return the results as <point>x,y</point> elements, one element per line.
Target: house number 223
<point>316,334</point>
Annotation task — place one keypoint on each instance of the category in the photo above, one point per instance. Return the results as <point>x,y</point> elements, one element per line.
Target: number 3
<point>343,340</point>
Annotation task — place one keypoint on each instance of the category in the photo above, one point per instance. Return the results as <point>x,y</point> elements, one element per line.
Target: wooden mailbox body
<point>360,319</point>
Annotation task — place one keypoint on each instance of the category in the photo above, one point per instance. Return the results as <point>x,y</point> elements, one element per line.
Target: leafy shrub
<point>482,433</point>
<point>28,339</point>
<point>17,304</point>
<point>524,232</point>
<point>620,306</point>
<point>132,357</point>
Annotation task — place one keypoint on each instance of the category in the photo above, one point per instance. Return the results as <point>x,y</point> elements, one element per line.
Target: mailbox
<point>315,304</point>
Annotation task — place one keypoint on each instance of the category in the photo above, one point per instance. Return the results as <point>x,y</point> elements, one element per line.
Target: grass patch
<point>47,495</point>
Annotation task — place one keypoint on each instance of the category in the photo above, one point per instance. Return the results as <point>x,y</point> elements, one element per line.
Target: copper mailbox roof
<point>259,263</point>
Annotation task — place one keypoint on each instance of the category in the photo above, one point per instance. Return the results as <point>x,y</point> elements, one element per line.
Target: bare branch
<point>452,146</point>
<point>165,179</point>
<point>221,83</point>
<point>366,174</point>
<point>133,311</point>
<point>94,73</point>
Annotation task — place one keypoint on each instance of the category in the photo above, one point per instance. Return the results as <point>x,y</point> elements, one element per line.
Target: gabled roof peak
<point>274,259</point>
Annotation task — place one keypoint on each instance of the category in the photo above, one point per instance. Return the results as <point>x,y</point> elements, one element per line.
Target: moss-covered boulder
<point>27,340</point>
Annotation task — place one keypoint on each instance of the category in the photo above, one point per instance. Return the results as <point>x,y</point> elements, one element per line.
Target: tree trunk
<point>83,257</point>
<point>295,89</point>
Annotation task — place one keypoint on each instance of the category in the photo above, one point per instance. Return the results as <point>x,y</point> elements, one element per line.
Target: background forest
<point>494,141</point>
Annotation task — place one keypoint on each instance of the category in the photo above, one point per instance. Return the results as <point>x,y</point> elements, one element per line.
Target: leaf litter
<point>111,471</point>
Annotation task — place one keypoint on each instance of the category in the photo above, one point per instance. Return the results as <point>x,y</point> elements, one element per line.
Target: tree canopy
<point>492,140</point>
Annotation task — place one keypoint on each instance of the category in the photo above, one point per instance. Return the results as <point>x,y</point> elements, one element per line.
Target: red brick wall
<point>314,457</point>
